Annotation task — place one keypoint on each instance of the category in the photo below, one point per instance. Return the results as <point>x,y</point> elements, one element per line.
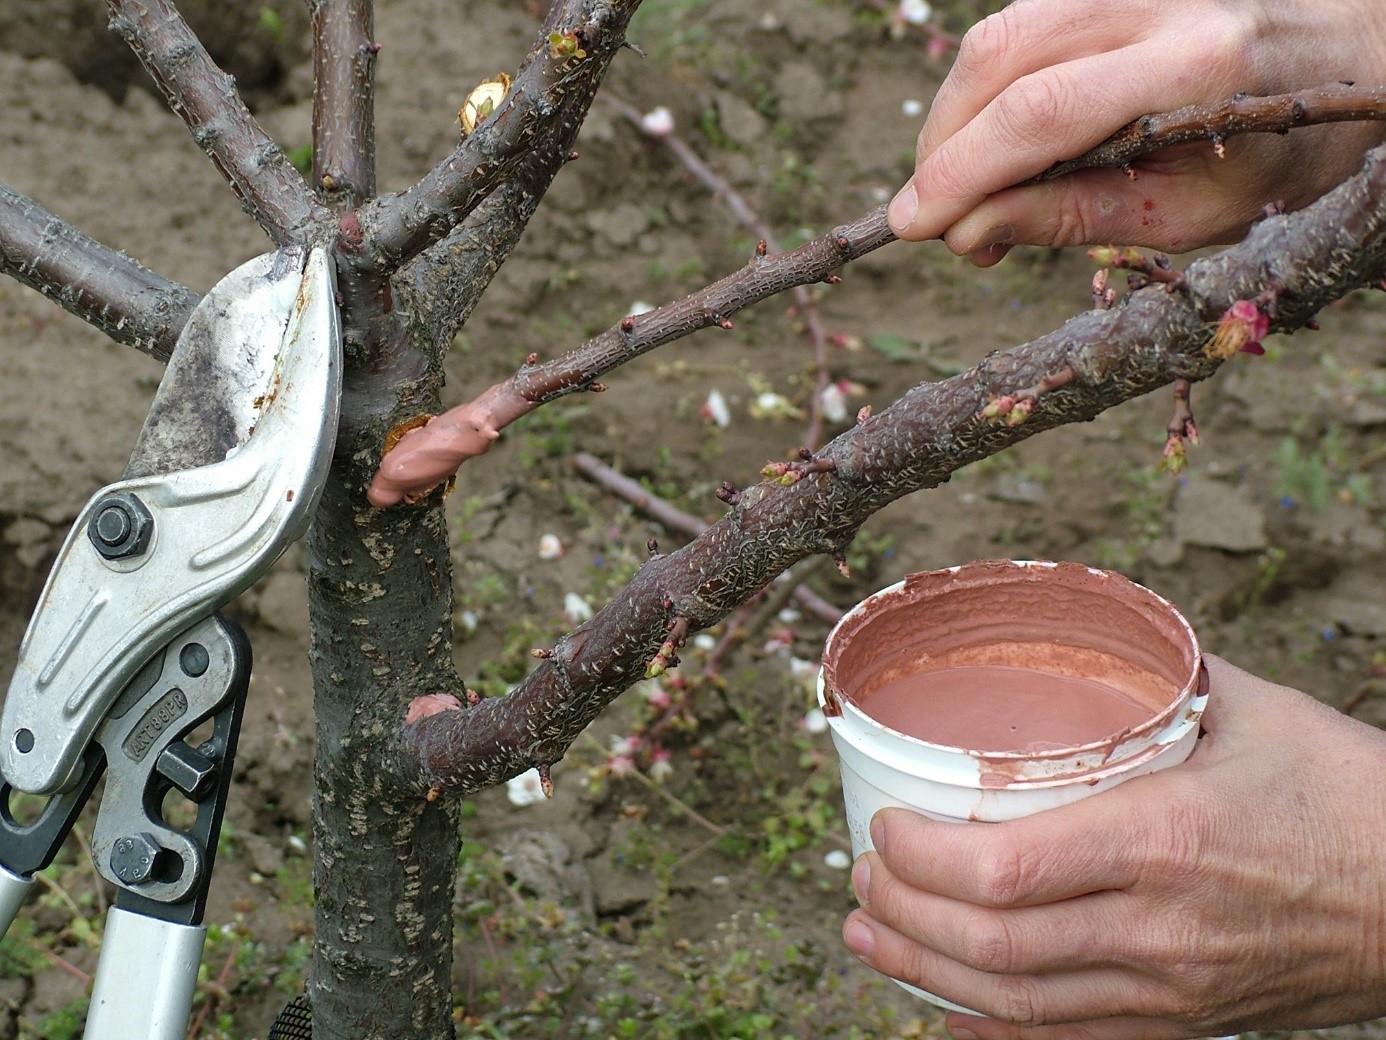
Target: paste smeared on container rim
<point>1063,619</point>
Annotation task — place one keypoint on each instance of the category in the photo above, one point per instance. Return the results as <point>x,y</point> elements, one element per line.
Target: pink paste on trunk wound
<point>430,454</point>
<point>430,704</point>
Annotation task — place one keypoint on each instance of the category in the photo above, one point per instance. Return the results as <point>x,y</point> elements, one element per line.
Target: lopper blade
<point>225,475</point>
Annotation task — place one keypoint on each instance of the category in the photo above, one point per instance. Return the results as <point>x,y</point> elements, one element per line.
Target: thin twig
<point>62,894</point>
<point>220,987</point>
<point>715,829</point>
<point>676,519</point>
<point>67,966</point>
<point>206,99</point>
<point>428,455</point>
<point>1331,103</point>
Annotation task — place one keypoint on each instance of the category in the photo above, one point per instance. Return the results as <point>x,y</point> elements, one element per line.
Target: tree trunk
<point>380,585</point>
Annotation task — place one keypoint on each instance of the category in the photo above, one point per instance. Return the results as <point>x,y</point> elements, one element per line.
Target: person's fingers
<point>1087,931</point>
<point>1027,1000</point>
<point>1090,846</point>
<point>1092,207</point>
<point>1057,112</point>
<point>1016,41</point>
<point>1097,1029</point>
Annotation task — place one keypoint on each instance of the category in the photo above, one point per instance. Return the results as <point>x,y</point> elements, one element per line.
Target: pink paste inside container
<point>1005,657</point>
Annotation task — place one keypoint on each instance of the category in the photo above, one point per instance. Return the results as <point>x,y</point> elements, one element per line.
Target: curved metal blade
<point>228,468</point>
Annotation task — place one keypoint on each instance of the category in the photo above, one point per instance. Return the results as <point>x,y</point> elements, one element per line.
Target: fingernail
<point>859,939</point>
<point>961,1033</point>
<point>878,833</point>
<point>903,207</point>
<point>861,879</point>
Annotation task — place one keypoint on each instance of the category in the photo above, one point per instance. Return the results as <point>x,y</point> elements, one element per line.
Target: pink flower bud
<point>1241,328</point>
<point>661,765</point>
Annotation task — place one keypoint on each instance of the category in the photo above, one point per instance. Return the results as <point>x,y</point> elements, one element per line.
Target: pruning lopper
<point>125,656</point>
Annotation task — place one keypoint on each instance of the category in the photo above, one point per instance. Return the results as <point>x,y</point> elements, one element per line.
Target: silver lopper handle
<point>13,890</point>
<point>145,978</point>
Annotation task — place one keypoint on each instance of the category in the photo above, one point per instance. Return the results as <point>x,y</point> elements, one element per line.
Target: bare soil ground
<point>701,906</point>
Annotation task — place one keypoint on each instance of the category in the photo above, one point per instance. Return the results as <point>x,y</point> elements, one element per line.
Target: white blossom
<point>815,721</point>
<point>916,12</point>
<point>525,789</point>
<point>576,608</point>
<point>912,107</point>
<point>658,122</point>
<point>715,408</point>
<point>625,747</point>
<point>661,766</point>
<point>550,547</point>
<point>834,403</point>
<point>837,860</point>
<point>638,308</point>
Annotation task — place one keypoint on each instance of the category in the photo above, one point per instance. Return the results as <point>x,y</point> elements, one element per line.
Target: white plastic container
<point>1061,618</point>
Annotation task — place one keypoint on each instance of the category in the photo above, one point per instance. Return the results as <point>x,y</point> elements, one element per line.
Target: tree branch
<point>106,289</point>
<point>1152,338</point>
<point>553,90</point>
<point>205,97</point>
<point>676,519</point>
<point>344,55</point>
<point>449,278</point>
<point>1331,103</point>
<point>430,454</point>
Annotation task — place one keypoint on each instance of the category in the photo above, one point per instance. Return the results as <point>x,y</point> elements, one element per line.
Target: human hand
<point>1045,80</point>
<point>1242,889</point>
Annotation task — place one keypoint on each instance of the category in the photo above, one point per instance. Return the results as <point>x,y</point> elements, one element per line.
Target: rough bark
<point>380,583</point>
